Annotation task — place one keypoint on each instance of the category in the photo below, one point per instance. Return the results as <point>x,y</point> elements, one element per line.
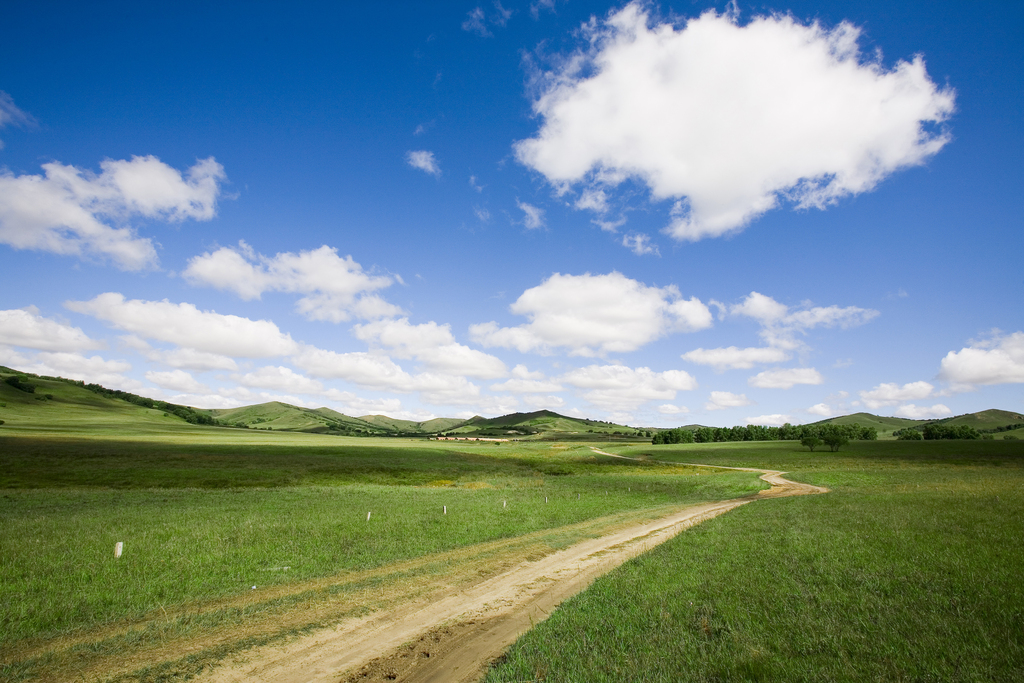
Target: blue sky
<point>657,214</point>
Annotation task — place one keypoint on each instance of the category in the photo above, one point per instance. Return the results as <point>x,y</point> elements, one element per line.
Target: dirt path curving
<point>453,637</point>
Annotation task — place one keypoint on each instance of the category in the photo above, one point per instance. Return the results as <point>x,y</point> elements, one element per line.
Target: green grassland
<point>211,512</point>
<point>908,570</point>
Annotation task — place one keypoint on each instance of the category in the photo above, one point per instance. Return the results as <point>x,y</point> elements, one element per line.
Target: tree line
<point>786,432</point>
<point>186,413</point>
<point>937,431</point>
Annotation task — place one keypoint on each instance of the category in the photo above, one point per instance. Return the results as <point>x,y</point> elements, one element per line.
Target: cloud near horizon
<point>617,387</point>
<point>998,360</point>
<point>728,120</point>
<point>24,327</point>
<point>186,326</point>
<point>889,394</point>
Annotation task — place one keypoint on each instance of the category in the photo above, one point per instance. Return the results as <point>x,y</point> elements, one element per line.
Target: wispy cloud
<point>424,161</point>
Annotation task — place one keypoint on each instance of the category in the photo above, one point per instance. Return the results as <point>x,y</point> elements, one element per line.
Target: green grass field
<point>208,513</point>
<point>908,570</point>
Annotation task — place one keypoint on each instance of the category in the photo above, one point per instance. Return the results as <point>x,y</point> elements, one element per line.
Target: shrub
<point>21,382</point>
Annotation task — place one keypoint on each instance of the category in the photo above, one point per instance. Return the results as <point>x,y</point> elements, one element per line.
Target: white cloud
<point>279,378</point>
<point>728,120</point>
<point>773,420</point>
<point>481,213</point>
<point>785,378</point>
<point>527,386</point>
<point>185,358</point>
<point>178,380</point>
<point>890,394</point>
<point>735,358</point>
<point>764,309</point>
<point>913,412</point>
<point>720,400</point>
<point>539,402</point>
<point>12,358</point>
<point>355,405</point>
<point>594,315</point>
<point>669,409</point>
<point>431,344</point>
<point>68,210</point>
<point>336,288</point>
<point>999,360</point>
<point>640,244</point>
<point>533,218</point>
<point>92,369</point>
<point>821,409</point>
<point>366,369</point>
<point>185,325</point>
<point>374,371</point>
<point>780,326</point>
<point>424,161</point>
<point>26,328</point>
<point>617,387</point>
<point>594,200</point>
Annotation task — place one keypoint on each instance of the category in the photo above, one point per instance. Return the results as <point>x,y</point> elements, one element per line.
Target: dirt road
<point>453,637</point>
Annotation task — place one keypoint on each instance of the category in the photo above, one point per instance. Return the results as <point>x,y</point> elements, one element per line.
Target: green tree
<point>811,442</point>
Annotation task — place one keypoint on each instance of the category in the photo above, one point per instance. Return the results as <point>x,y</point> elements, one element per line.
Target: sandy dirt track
<point>454,637</point>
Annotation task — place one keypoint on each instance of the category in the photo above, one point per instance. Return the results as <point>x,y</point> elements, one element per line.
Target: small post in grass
<point>368,516</point>
<point>446,509</point>
<point>118,547</point>
<point>504,503</point>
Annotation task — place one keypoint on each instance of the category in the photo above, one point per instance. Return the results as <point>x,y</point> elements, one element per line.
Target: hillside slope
<point>57,405</point>
<point>543,424</point>
<point>279,416</point>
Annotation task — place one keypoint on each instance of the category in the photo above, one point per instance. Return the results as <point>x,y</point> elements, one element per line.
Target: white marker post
<point>118,547</point>
<point>368,516</point>
<point>446,509</point>
<point>504,503</point>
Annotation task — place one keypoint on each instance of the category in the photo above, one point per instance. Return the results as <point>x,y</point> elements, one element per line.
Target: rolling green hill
<point>56,405</point>
<point>985,421</point>
<point>542,424</point>
<point>438,424</point>
<point>284,417</point>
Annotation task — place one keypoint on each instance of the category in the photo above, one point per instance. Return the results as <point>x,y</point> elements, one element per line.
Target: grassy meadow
<point>206,512</point>
<point>908,570</point>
